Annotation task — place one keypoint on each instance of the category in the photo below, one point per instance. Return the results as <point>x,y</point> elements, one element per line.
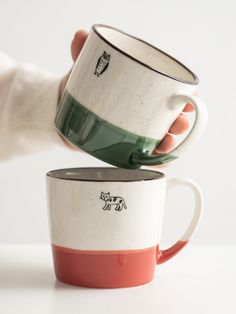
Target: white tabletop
<point>199,280</point>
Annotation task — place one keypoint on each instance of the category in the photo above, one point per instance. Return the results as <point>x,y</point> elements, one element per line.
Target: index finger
<point>189,108</point>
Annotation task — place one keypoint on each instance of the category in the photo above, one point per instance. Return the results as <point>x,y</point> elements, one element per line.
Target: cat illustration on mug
<point>118,201</point>
<point>102,63</point>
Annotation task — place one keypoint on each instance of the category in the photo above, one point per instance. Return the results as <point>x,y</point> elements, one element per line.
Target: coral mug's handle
<point>144,158</point>
<point>165,255</point>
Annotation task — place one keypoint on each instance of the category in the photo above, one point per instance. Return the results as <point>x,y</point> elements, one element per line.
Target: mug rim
<point>196,80</point>
<point>60,174</point>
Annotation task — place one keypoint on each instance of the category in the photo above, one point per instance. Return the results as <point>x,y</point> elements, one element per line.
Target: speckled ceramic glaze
<point>105,224</point>
<point>122,97</point>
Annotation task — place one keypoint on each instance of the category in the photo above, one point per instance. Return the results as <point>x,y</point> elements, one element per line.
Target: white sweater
<point>28,102</point>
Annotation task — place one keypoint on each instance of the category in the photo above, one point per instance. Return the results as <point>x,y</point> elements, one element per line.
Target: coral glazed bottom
<point>104,269</point>
<point>108,269</point>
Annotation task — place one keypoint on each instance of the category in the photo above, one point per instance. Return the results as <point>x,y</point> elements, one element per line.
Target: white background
<point>199,33</point>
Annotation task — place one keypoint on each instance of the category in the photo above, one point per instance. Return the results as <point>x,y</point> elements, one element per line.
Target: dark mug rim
<point>195,78</point>
<point>136,175</point>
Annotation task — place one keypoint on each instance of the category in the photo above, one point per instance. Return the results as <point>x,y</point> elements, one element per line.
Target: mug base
<point>104,269</point>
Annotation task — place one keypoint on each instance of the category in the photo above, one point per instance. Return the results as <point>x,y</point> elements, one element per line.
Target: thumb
<point>77,43</point>
<point>76,46</point>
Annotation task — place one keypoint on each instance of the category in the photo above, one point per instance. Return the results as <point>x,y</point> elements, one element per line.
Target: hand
<point>180,125</point>
<point>76,46</point>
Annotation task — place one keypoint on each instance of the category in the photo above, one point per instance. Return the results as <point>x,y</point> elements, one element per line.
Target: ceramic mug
<point>122,97</point>
<point>105,224</point>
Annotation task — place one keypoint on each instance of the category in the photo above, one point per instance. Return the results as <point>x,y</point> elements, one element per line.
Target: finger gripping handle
<point>142,158</point>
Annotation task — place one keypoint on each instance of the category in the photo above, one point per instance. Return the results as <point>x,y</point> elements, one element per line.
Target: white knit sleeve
<point>28,103</point>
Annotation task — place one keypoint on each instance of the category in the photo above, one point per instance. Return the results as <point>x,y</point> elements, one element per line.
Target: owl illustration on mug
<point>102,63</point>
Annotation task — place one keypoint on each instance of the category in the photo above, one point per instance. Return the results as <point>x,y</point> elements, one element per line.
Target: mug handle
<point>165,255</point>
<point>143,158</point>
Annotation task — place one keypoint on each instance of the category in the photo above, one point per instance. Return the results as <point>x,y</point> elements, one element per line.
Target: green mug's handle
<point>141,157</point>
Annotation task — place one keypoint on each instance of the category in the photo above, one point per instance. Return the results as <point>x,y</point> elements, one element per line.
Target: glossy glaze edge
<point>98,137</point>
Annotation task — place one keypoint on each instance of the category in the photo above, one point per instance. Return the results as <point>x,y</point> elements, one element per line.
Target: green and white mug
<point>122,97</point>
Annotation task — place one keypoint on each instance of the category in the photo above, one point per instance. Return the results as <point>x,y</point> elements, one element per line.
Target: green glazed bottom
<point>98,137</point>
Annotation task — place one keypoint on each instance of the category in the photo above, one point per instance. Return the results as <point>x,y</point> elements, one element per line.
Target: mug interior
<point>145,54</point>
<point>105,174</point>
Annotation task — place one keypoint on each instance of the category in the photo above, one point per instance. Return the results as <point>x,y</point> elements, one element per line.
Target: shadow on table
<point>60,286</point>
<point>15,276</point>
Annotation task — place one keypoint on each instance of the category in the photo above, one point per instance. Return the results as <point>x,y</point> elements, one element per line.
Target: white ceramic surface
<point>79,219</point>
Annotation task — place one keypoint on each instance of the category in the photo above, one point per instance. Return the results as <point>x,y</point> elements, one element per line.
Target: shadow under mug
<point>122,97</point>
<point>105,224</point>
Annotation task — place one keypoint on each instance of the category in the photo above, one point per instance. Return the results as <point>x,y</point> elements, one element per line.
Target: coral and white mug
<point>122,97</point>
<point>105,224</point>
